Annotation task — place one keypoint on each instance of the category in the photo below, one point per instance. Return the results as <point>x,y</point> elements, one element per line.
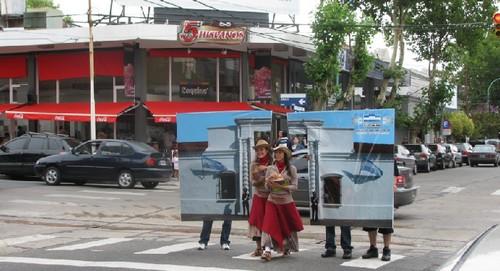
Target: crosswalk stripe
<point>114,192</point>
<point>26,239</point>
<point>170,248</point>
<point>496,193</point>
<point>373,263</point>
<point>43,202</point>
<point>117,265</point>
<point>79,197</point>
<point>453,190</point>
<point>97,243</point>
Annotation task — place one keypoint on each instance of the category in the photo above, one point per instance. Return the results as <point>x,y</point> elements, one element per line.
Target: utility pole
<point>91,64</point>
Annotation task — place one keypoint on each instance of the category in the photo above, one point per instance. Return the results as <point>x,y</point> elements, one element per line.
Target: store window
<point>121,95</point>
<point>158,72</point>
<point>19,90</point>
<point>47,92</point>
<point>299,83</point>
<point>194,79</point>
<point>278,80</point>
<point>229,82</point>
<point>4,91</point>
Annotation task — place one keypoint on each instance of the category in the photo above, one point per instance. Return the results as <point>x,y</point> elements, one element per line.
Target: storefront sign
<point>221,32</point>
<point>194,90</point>
<point>297,101</point>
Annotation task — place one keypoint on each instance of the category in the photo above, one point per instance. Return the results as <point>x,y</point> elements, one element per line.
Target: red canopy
<point>5,107</point>
<point>166,111</point>
<point>105,112</point>
<point>272,107</point>
<point>13,66</point>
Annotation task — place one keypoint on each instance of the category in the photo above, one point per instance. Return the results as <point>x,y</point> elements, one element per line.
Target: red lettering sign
<point>195,31</point>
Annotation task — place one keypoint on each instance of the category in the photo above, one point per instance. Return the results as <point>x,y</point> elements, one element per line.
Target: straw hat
<point>262,143</point>
<point>284,148</point>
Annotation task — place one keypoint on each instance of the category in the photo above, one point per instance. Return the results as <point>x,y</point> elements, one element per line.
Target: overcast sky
<point>304,15</point>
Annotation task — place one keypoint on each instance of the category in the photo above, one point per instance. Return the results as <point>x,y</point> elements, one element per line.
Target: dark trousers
<point>345,237</point>
<point>207,230</point>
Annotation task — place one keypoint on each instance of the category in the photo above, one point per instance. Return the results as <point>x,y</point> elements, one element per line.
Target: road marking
<point>26,239</point>
<point>79,197</point>
<point>373,263</point>
<point>453,190</point>
<point>274,254</point>
<point>114,193</point>
<point>43,202</point>
<point>170,249</point>
<point>496,193</point>
<point>117,265</point>
<point>97,243</point>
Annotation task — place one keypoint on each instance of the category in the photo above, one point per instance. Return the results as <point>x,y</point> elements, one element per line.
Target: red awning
<point>272,107</point>
<point>5,107</point>
<point>166,111</point>
<point>105,112</point>
<point>67,65</point>
<point>13,66</point>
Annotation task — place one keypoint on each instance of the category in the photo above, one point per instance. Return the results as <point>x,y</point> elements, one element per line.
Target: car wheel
<point>149,185</point>
<point>52,176</point>
<point>428,169</point>
<point>495,164</point>
<point>126,179</point>
<point>443,165</point>
<point>472,164</point>
<point>80,182</point>
<point>454,164</point>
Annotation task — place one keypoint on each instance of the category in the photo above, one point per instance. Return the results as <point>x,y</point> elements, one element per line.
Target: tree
<point>462,126</point>
<point>333,22</point>
<point>41,4</point>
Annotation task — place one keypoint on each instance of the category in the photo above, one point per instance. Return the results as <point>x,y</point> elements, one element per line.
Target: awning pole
<point>91,62</point>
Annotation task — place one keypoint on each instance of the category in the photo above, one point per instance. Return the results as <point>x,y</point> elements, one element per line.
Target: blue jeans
<point>345,238</point>
<point>207,230</point>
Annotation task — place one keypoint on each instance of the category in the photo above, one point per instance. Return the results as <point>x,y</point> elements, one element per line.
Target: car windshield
<point>143,147</point>
<point>484,148</point>
<point>72,142</point>
<point>414,148</point>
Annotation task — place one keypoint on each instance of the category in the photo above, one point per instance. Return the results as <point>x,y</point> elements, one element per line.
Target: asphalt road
<point>96,227</point>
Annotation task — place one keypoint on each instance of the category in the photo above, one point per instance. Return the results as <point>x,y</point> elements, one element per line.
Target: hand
<point>262,168</point>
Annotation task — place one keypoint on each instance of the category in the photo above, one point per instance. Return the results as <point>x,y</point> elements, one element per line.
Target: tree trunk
<point>397,80</point>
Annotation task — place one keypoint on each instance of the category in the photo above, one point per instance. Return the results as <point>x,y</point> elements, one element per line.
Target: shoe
<point>386,254</point>
<point>372,252</point>
<point>202,246</point>
<point>266,256</point>
<point>328,253</point>
<point>347,254</point>
<point>225,247</point>
<point>257,252</point>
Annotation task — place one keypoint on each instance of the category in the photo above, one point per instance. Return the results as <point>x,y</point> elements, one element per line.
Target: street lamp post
<point>489,87</point>
<point>91,64</point>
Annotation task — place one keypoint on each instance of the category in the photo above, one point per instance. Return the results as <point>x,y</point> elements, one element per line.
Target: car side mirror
<point>73,151</point>
<point>4,148</point>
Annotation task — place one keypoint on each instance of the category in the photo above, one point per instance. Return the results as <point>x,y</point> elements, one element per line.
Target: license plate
<point>162,163</point>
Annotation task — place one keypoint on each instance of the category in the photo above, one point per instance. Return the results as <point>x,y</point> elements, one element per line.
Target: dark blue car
<point>108,161</point>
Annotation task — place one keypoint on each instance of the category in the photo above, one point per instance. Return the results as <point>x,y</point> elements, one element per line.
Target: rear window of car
<point>484,148</point>
<point>37,143</point>
<point>414,148</point>
<point>143,147</point>
<point>54,144</point>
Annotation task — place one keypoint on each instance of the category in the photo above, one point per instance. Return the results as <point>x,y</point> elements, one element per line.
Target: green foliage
<point>429,112</point>
<point>461,125</point>
<point>363,61</point>
<point>403,120</point>
<point>486,125</point>
<point>41,4</point>
<point>333,21</point>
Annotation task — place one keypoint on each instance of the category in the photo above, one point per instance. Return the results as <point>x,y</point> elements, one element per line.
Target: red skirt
<point>257,212</point>
<point>280,220</point>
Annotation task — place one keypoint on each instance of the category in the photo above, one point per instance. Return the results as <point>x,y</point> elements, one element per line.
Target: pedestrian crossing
<point>69,254</point>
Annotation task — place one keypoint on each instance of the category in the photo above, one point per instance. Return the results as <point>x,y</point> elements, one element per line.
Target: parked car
<point>456,156</point>
<point>426,160</point>
<point>465,149</point>
<point>480,254</point>
<point>443,159</point>
<point>484,154</point>
<point>116,161</point>
<point>18,156</point>
<point>403,157</point>
<point>405,191</point>
<point>495,142</point>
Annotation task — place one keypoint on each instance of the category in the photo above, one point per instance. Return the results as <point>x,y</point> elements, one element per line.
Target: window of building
<point>278,71</point>
<point>13,90</point>
<point>194,79</point>
<point>4,91</point>
<point>158,76</point>
<point>299,83</point>
<point>47,92</point>
<point>229,79</point>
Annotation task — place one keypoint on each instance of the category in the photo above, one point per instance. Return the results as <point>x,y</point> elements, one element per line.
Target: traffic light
<point>496,23</point>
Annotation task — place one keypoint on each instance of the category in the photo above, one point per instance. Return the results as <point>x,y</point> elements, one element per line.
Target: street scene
<point>201,135</point>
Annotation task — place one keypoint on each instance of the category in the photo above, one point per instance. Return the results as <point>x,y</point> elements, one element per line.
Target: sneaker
<point>225,247</point>
<point>347,254</point>
<point>386,254</point>
<point>328,253</point>
<point>202,246</point>
<point>372,252</point>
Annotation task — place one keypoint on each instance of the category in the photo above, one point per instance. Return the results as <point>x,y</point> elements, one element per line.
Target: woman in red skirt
<point>258,170</point>
<point>281,219</point>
